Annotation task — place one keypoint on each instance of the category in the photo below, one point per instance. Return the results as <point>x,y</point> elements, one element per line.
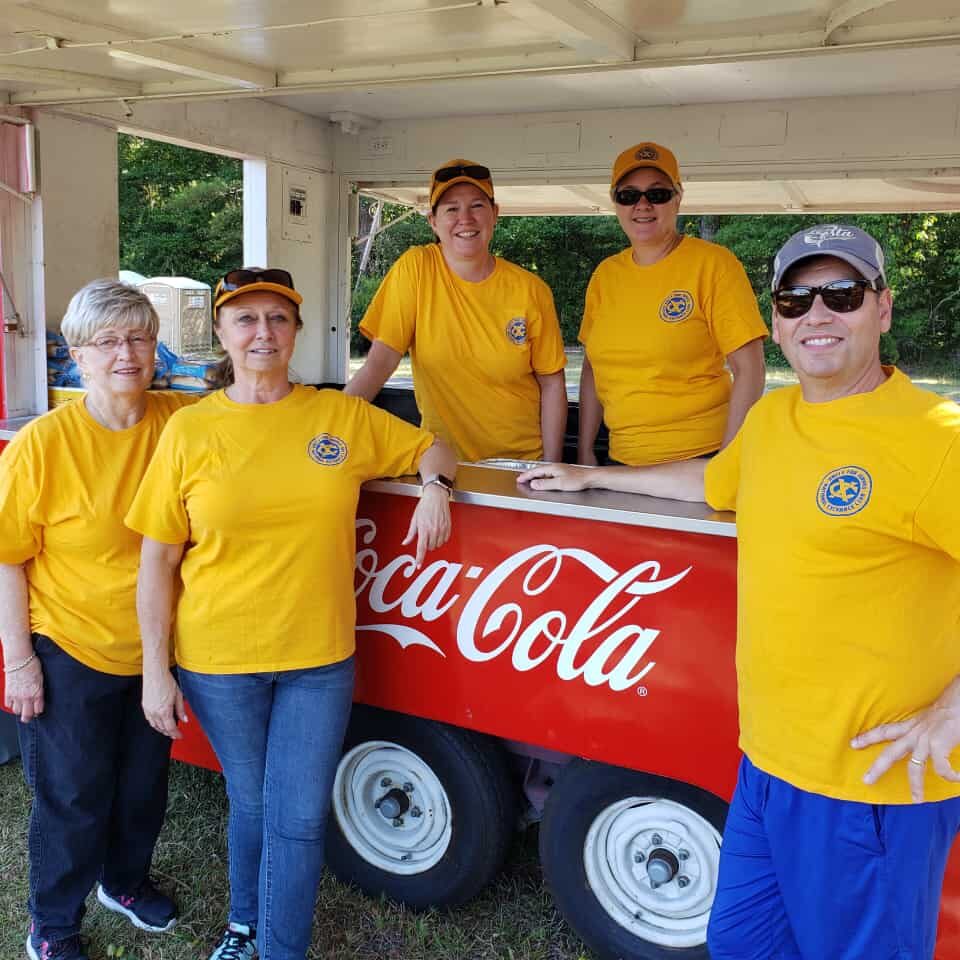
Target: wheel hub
<point>392,808</point>
<point>393,804</point>
<point>662,867</point>
<point>652,864</point>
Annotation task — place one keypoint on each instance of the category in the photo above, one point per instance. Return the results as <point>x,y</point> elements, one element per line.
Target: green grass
<point>514,919</point>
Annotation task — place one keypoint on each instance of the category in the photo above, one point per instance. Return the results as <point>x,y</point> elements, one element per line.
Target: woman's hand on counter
<point>23,694</point>
<point>557,476</point>
<point>430,523</point>
<point>163,703</point>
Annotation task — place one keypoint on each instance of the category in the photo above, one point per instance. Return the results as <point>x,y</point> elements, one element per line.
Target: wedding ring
<point>919,763</point>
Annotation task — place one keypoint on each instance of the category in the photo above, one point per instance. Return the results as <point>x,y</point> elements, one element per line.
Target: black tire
<point>480,817</point>
<point>593,795</point>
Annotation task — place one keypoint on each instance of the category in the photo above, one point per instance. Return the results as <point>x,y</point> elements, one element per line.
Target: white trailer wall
<point>896,136</point>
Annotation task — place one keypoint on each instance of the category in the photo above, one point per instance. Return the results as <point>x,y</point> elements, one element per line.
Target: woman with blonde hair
<point>71,648</point>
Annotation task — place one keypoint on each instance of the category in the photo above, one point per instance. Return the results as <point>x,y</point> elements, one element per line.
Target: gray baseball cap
<point>838,240</point>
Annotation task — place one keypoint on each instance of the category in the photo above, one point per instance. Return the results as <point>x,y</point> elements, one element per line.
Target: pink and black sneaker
<point>144,906</point>
<point>69,948</point>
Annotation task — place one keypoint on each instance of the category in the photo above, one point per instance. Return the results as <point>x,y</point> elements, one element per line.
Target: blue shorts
<point>806,877</point>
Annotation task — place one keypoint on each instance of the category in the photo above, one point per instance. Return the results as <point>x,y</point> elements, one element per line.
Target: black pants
<point>98,773</point>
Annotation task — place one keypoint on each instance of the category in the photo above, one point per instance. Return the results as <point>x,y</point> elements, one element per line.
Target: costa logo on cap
<point>647,153</point>
<point>820,235</point>
<point>327,450</point>
<point>844,491</point>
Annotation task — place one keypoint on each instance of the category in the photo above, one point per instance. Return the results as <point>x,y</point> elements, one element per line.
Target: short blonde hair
<point>107,303</point>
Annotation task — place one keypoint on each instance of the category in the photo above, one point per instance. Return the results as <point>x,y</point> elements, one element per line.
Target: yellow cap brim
<point>484,186</point>
<point>279,288</point>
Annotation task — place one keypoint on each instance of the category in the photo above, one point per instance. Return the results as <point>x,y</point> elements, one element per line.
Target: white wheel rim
<point>617,857</point>
<point>416,839</point>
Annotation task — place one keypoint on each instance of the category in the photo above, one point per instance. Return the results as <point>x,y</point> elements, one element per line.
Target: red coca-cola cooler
<point>567,660</point>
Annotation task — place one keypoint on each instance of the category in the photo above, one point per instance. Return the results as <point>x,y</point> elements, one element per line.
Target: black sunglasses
<point>236,279</point>
<point>840,296</point>
<point>472,170</point>
<point>629,196</point>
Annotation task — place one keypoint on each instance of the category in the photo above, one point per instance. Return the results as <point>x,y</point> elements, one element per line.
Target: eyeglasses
<point>236,279</point>
<point>471,170</point>
<point>630,196</point>
<point>138,341</point>
<point>840,296</point>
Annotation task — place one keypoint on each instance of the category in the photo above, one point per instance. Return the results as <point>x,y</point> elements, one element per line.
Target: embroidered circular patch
<point>327,450</point>
<point>517,330</point>
<point>844,491</point>
<point>678,306</point>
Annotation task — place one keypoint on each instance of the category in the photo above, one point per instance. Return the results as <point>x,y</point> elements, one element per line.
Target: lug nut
<point>398,821</point>
<point>683,882</point>
<point>408,787</point>
<point>416,812</point>
<point>638,857</point>
<point>683,854</point>
<point>386,782</point>
<point>656,839</point>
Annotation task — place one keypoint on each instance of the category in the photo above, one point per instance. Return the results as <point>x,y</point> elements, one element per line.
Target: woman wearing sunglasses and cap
<point>483,336</point>
<point>664,322</point>
<point>247,514</point>
<point>71,650</point>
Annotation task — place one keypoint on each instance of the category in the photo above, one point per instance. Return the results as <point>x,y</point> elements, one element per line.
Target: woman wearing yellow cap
<point>666,323</point>
<point>483,335</point>
<point>247,514</point>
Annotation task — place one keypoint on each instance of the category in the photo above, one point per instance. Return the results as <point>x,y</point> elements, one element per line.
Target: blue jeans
<point>807,877</point>
<point>278,738</point>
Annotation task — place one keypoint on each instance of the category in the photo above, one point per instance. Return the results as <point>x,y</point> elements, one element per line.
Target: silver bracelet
<point>20,666</point>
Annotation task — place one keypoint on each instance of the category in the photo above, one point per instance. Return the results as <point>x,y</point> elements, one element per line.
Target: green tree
<point>181,210</point>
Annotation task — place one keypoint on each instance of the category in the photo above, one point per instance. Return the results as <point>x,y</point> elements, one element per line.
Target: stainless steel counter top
<point>497,487</point>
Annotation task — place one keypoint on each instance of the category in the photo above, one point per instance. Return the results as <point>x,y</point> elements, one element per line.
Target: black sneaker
<point>237,943</point>
<point>69,948</point>
<point>144,906</point>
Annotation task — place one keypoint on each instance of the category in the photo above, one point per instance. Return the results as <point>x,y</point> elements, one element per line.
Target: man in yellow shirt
<point>849,626</point>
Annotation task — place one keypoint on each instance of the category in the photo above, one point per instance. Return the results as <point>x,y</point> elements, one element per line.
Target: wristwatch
<point>441,481</point>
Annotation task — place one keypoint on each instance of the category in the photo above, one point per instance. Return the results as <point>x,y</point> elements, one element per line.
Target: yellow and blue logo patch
<point>676,307</point>
<point>844,491</point>
<point>327,450</point>
<point>517,330</point>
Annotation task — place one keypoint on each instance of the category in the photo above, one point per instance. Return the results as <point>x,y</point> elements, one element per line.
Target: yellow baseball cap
<point>642,155</point>
<point>457,171</point>
<point>250,279</point>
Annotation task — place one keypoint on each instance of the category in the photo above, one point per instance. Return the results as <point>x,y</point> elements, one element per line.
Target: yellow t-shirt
<point>65,484</point>
<point>849,577</point>
<point>265,497</point>
<point>657,338</point>
<point>475,349</point>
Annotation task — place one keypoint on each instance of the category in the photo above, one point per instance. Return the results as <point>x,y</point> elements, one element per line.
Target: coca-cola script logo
<point>489,625</point>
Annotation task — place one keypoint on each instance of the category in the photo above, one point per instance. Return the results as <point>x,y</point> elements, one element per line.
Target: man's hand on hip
<point>930,735</point>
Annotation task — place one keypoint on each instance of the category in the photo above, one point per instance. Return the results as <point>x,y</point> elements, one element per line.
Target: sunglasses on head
<point>236,279</point>
<point>840,296</point>
<point>630,196</point>
<point>472,170</point>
